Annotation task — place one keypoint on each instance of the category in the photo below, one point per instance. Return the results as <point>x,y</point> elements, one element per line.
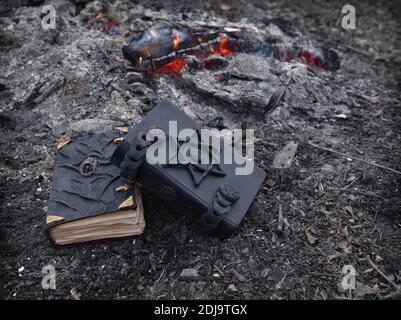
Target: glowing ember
<point>227,47</point>
<point>311,59</point>
<point>287,55</point>
<point>204,48</point>
<point>109,24</point>
<point>174,67</point>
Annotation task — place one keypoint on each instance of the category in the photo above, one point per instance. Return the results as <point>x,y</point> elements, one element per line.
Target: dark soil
<point>337,210</point>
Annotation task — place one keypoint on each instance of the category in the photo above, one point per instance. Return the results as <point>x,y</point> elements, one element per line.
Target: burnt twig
<point>382,274</point>
<point>355,158</point>
<point>280,219</point>
<point>276,101</point>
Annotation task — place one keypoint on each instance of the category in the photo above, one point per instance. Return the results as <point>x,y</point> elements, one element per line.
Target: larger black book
<point>213,191</point>
<point>89,199</point>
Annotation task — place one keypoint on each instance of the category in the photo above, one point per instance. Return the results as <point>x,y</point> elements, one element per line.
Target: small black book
<point>89,200</point>
<point>213,191</point>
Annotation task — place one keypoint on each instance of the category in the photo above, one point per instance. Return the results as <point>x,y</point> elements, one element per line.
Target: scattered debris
<point>245,251</point>
<point>280,284</point>
<point>250,67</point>
<point>280,219</point>
<point>58,127</point>
<point>92,126</point>
<point>382,274</point>
<point>231,287</point>
<point>132,77</point>
<point>189,272</point>
<point>265,272</point>
<point>284,158</point>
<point>237,275</point>
<point>277,98</point>
<point>311,235</point>
<point>355,158</point>
<point>75,294</point>
<point>43,89</point>
<point>363,290</point>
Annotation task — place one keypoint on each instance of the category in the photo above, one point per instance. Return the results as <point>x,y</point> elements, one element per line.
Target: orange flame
<point>176,41</point>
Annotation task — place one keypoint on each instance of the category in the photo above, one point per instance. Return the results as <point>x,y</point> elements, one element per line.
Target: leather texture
<point>85,180</point>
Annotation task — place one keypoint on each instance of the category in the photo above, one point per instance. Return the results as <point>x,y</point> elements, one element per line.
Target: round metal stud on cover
<point>88,166</point>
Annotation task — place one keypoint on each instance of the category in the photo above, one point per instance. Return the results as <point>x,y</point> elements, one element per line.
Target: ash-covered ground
<point>340,198</point>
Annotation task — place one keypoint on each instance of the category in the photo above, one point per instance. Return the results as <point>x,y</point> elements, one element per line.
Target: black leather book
<point>214,193</point>
<point>89,200</point>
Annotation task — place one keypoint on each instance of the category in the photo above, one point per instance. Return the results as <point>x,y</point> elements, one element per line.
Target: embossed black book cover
<point>213,189</point>
<point>89,200</point>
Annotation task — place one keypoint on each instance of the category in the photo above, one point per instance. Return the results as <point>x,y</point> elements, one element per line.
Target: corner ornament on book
<point>225,197</point>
